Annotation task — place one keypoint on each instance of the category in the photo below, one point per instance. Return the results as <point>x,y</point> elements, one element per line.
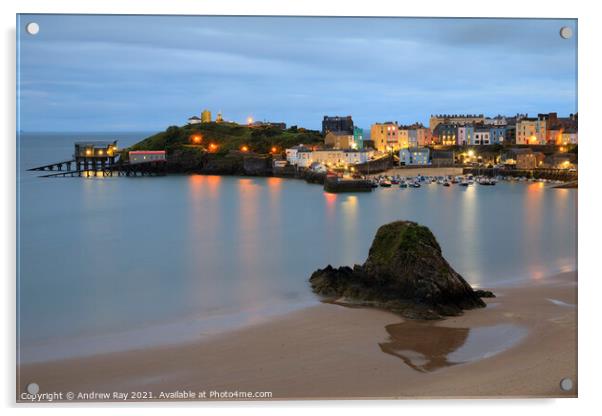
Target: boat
<point>446,183</point>
<point>403,184</point>
<point>415,184</point>
<point>385,183</point>
<point>464,183</point>
<point>395,181</point>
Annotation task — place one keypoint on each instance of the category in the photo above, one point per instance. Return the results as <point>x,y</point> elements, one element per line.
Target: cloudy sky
<point>140,73</point>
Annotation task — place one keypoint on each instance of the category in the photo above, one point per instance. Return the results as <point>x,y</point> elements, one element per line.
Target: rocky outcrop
<point>257,165</point>
<point>405,272</point>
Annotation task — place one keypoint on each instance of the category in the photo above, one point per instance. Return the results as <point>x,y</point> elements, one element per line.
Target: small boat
<point>464,183</point>
<point>403,184</point>
<point>385,184</point>
<point>374,184</point>
<point>394,181</point>
<point>415,184</point>
<point>446,183</point>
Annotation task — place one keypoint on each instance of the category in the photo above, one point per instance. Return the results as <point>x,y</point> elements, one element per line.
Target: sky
<point>144,73</point>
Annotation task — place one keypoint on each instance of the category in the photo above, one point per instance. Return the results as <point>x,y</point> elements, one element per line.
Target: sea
<point>117,263</point>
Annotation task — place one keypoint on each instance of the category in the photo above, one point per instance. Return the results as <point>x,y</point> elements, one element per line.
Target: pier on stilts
<point>94,158</point>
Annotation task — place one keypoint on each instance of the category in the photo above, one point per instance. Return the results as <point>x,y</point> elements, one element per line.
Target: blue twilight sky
<point>120,73</point>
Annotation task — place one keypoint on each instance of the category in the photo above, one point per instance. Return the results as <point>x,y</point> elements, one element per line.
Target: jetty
<point>334,184</point>
<point>102,158</point>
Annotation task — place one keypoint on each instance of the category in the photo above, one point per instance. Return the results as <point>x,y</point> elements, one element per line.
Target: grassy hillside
<point>223,137</point>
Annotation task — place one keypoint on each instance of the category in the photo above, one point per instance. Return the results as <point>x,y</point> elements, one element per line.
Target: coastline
<point>329,351</point>
<point>424,170</point>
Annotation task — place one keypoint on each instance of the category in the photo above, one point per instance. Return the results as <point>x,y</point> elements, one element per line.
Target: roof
<point>194,117</point>
<point>147,152</point>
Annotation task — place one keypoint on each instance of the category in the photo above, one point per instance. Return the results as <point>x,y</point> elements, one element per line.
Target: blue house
<point>417,156</point>
<point>497,134</point>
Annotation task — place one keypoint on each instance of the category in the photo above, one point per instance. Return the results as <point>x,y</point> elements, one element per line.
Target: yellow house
<point>385,136</point>
<point>403,137</point>
<point>527,131</point>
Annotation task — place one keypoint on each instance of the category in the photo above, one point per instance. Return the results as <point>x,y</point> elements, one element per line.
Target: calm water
<point>112,263</point>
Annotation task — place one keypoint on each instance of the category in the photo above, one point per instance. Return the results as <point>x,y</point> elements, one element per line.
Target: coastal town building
<point>424,136</point>
<point>569,136</point>
<point>418,135</point>
<point>414,156</point>
<point>95,150</point>
<point>510,134</point>
<point>498,120</point>
<point>337,124</point>
<point>521,158</point>
<point>304,157</point>
<point>412,138</point>
<point>497,134</point>
<point>340,157</point>
<point>339,140</point>
<point>465,135</point>
<point>403,140</point>
<point>437,119</point>
<point>292,154</point>
<point>481,135</point>
<point>194,120</point>
<point>355,157</point>
<point>527,131</point>
<point>385,136</point>
<point>358,138</point>
<point>561,130</point>
<point>141,156</point>
<point>445,134</point>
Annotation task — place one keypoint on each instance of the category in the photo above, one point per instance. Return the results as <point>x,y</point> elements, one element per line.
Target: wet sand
<point>521,345</point>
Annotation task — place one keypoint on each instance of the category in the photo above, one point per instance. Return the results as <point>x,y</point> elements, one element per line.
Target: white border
<point>589,183</point>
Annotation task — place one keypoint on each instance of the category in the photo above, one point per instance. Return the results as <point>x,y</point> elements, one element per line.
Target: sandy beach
<point>521,345</point>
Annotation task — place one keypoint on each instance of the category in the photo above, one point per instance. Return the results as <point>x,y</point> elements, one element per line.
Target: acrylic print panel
<point>272,208</point>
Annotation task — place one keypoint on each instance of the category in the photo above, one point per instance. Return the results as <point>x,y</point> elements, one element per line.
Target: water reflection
<point>210,246</point>
<point>426,347</point>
